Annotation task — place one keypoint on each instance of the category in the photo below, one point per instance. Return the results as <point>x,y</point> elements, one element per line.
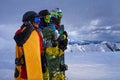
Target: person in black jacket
<point>27,34</point>
<point>56,16</point>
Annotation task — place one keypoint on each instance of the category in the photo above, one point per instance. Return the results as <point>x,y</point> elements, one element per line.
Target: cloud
<point>92,20</point>
<point>6,37</point>
<point>73,33</point>
<point>95,30</point>
<point>8,30</point>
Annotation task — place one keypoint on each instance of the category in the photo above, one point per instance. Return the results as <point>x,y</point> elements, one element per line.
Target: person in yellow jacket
<point>28,49</point>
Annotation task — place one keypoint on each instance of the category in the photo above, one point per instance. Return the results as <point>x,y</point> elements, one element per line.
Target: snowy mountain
<point>93,46</point>
<point>93,60</point>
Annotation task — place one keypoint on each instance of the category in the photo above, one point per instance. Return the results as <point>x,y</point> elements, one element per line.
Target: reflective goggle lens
<point>60,14</point>
<point>47,16</point>
<point>37,20</point>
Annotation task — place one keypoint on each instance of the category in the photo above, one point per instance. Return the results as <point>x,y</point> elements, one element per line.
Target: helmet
<point>29,16</point>
<point>45,16</point>
<point>59,11</point>
<point>43,13</point>
<point>56,15</point>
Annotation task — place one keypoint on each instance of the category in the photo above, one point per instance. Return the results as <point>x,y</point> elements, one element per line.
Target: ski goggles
<point>54,14</point>
<point>37,19</point>
<point>60,14</point>
<point>47,18</point>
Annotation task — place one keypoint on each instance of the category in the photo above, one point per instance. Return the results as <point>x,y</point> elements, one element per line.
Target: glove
<point>63,67</point>
<point>16,74</point>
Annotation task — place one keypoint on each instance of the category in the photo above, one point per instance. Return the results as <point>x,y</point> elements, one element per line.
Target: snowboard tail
<point>32,57</point>
<point>54,56</point>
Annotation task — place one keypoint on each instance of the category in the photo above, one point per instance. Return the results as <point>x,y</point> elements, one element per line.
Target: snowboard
<point>32,57</point>
<point>63,66</point>
<point>53,55</point>
<point>62,59</point>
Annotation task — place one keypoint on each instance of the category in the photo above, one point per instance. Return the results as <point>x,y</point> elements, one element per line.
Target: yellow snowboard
<point>33,57</point>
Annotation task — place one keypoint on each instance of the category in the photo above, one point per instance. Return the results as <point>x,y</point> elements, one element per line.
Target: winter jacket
<point>63,37</point>
<point>49,35</point>
<point>63,41</point>
<point>28,42</point>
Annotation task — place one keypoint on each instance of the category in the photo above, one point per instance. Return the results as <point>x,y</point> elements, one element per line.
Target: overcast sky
<point>83,19</point>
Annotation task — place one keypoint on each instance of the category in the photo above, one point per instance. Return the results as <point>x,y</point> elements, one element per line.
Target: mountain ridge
<point>93,46</point>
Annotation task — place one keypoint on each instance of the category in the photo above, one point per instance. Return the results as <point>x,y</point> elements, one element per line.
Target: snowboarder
<point>48,36</point>
<point>50,47</point>
<point>56,16</point>
<point>28,49</point>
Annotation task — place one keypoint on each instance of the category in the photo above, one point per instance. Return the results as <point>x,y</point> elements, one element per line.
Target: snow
<point>85,62</point>
<point>93,66</point>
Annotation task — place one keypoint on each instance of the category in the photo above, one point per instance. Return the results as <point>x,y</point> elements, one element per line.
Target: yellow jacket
<point>31,68</point>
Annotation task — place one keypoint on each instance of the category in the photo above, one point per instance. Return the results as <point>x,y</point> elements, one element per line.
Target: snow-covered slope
<point>93,46</point>
<point>93,63</point>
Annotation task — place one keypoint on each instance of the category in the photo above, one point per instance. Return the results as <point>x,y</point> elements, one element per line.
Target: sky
<point>83,19</point>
